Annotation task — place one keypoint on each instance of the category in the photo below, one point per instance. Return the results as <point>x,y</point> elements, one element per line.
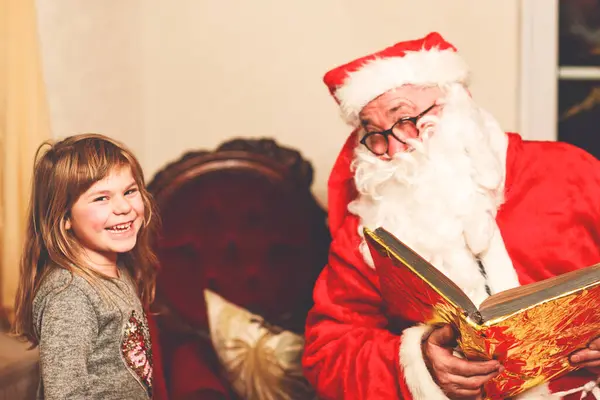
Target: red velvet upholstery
<point>243,222</point>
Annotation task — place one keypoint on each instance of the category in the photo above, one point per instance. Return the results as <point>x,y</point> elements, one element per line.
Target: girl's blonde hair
<point>63,171</point>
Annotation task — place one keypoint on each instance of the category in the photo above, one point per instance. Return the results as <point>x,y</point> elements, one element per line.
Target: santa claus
<point>490,210</point>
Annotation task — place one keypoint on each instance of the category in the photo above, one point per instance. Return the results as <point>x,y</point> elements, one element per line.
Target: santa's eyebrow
<point>401,105</point>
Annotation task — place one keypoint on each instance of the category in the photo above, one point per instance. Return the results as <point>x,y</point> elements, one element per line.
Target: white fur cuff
<point>417,376</point>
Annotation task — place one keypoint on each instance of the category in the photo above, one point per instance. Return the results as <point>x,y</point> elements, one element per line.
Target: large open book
<point>531,329</point>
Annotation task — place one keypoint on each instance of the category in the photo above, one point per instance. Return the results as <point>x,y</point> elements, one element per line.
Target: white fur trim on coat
<point>432,67</point>
<point>417,376</point>
<point>501,274</point>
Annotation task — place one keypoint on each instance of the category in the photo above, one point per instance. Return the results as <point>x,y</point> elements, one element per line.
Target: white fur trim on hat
<point>432,67</point>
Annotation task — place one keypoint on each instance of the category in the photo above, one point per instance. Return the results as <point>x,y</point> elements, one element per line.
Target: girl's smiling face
<point>107,217</point>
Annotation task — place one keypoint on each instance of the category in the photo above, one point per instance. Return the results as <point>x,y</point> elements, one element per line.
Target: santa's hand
<point>588,358</point>
<point>458,378</point>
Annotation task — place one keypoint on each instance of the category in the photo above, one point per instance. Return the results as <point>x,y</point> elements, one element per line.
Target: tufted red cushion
<point>244,237</point>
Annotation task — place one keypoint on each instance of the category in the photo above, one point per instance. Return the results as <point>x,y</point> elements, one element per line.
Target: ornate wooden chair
<point>242,222</point>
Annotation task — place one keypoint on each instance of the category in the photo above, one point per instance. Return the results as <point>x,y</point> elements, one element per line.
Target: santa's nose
<point>395,146</point>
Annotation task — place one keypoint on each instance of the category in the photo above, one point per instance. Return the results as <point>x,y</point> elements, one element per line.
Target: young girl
<point>87,271</point>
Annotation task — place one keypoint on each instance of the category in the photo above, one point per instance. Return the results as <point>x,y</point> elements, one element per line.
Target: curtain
<point>24,124</point>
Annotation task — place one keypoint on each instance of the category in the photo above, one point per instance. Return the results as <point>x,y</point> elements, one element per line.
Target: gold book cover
<point>532,335</point>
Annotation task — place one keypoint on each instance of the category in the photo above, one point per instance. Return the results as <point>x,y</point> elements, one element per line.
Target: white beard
<point>442,198</point>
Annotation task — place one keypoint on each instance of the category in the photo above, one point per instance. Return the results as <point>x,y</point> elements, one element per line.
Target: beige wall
<point>165,77</point>
<point>92,56</point>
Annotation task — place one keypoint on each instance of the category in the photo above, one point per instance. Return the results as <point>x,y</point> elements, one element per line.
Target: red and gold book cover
<point>533,344</point>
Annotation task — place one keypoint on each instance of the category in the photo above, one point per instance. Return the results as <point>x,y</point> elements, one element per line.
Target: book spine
<point>471,335</point>
<point>472,341</point>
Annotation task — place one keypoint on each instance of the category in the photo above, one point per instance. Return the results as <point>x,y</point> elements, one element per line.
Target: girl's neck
<point>111,270</point>
<point>105,265</point>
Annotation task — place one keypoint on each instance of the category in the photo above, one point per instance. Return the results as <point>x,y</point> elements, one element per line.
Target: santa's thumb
<point>444,336</point>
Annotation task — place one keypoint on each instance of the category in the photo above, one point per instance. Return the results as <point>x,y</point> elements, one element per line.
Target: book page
<point>513,300</point>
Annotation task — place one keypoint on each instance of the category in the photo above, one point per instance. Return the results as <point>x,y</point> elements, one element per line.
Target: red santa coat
<point>550,223</point>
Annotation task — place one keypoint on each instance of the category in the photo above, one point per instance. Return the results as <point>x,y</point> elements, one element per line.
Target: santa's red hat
<point>427,61</point>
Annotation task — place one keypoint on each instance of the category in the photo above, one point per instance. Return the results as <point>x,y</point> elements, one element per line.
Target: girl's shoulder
<point>65,302</point>
<point>64,284</point>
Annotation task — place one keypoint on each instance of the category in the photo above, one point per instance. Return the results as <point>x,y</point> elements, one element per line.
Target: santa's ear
<point>67,223</point>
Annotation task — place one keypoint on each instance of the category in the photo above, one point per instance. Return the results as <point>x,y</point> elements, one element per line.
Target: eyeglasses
<point>405,128</point>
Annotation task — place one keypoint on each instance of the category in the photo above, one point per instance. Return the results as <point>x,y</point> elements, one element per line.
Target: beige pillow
<point>260,362</point>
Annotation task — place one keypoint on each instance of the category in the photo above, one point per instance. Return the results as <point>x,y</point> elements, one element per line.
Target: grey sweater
<point>91,348</point>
